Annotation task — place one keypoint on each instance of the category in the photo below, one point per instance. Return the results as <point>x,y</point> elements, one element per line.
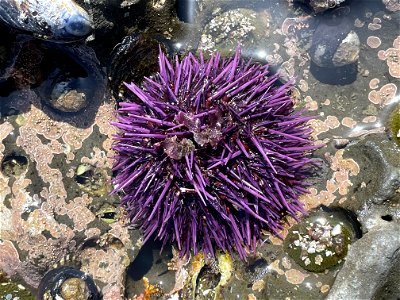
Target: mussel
<point>61,20</point>
<point>132,59</point>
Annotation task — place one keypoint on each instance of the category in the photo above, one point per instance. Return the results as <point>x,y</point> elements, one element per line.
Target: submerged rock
<point>335,44</point>
<point>245,26</point>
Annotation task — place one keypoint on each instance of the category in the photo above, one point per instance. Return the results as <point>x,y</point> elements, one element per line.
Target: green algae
<point>12,290</point>
<point>394,124</point>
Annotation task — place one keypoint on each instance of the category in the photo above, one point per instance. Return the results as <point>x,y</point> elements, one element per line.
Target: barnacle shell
<point>92,180</point>
<point>62,20</point>
<point>13,165</point>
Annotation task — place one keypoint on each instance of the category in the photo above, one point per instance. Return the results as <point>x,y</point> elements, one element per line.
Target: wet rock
<point>372,263</point>
<point>369,262</point>
<point>378,215</point>
<point>379,181</point>
<point>390,289</point>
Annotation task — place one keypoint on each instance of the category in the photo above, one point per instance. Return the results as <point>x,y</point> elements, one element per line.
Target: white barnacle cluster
<point>321,240</point>
<point>232,25</point>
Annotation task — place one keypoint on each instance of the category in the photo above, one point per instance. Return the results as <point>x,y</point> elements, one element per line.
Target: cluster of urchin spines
<point>210,152</point>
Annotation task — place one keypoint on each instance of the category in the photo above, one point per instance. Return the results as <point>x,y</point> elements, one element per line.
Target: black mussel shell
<point>61,21</point>
<point>52,283</point>
<point>133,59</point>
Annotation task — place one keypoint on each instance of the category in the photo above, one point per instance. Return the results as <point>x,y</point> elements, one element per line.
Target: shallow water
<point>55,179</point>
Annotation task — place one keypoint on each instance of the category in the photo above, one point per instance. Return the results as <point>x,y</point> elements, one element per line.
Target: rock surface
<point>368,264</point>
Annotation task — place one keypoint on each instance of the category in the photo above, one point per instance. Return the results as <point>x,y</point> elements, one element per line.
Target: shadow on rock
<point>335,75</point>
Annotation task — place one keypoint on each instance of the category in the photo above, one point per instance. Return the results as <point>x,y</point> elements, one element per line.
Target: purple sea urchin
<point>210,152</point>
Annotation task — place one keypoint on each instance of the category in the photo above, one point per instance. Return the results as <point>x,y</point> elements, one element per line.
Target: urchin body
<point>210,152</point>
